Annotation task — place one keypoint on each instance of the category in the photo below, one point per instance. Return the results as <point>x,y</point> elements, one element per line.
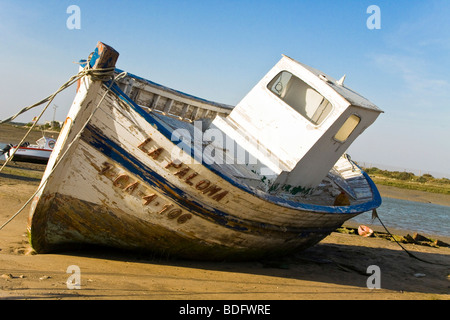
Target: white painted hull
<point>117,185</point>
<point>80,204</point>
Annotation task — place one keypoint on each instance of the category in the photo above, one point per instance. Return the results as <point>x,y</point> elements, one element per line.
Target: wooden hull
<point>110,189</point>
<point>112,181</point>
<point>117,228</point>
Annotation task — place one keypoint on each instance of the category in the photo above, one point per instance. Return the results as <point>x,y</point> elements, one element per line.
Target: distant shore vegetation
<point>408,180</point>
<point>49,125</point>
<point>399,179</point>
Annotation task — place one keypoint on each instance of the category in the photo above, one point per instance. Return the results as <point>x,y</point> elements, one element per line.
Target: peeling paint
<point>119,187</point>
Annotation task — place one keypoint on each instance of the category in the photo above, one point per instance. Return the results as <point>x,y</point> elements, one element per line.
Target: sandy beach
<point>335,269</point>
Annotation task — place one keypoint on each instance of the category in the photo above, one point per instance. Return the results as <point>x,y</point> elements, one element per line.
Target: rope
<point>375,214</point>
<point>121,75</point>
<point>102,74</point>
<point>95,74</point>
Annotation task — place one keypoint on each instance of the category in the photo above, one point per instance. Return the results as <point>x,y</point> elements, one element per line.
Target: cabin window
<point>301,97</point>
<point>347,128</point>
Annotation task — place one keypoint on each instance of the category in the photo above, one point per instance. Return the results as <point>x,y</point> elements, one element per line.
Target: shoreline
<point>11,134</point>
<point>408,195</point>
<point>397,232</point>
<point>414,195</point>
<point>334,269</point>
<point>30,173</point>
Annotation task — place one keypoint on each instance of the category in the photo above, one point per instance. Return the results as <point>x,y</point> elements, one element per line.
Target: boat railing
<point>154,97</point>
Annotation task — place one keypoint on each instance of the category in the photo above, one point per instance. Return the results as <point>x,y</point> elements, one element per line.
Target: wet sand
<point>335,269</point>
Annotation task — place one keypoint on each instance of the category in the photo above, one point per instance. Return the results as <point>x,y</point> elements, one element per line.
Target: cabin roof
<point>348,94</point>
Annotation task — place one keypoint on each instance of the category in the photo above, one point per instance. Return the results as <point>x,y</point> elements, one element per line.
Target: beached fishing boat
<point>144,167</point>
<point>34,153</point>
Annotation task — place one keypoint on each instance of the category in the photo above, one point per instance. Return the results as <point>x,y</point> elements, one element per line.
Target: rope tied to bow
<point>114,79</point>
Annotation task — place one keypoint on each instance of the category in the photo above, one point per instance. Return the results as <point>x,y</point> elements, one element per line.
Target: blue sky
<point>218,50</point>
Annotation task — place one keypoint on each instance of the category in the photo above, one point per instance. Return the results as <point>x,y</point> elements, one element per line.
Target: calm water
<point>419,217</point>
<point>405,215</point>
<point>2,145</point>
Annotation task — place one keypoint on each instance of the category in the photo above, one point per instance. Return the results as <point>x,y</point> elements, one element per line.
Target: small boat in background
<point>140,166</point>
<point>34,153</point>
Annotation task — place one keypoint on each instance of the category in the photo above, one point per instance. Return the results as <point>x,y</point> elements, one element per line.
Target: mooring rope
<point>114,79</point>
<point>375,215</point>
<point>102,74</point>
<point>95,74</point>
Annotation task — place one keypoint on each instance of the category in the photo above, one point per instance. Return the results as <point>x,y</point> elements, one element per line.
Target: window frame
<point>351,132</point>
<point>298,112</point>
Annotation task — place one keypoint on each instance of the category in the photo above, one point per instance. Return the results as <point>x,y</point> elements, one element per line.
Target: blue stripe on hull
<point>113,151</point>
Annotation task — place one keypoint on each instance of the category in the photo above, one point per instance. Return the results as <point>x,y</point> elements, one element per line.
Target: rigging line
<point>375,214</point>
<point>43,182</point>
<point>102,74</point>
<point>72,80</point>
<point>95,74</point>
<point>11,156</point>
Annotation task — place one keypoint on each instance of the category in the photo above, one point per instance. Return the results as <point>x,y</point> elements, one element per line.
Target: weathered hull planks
<point>118,178</point>
<point>130,197</point>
